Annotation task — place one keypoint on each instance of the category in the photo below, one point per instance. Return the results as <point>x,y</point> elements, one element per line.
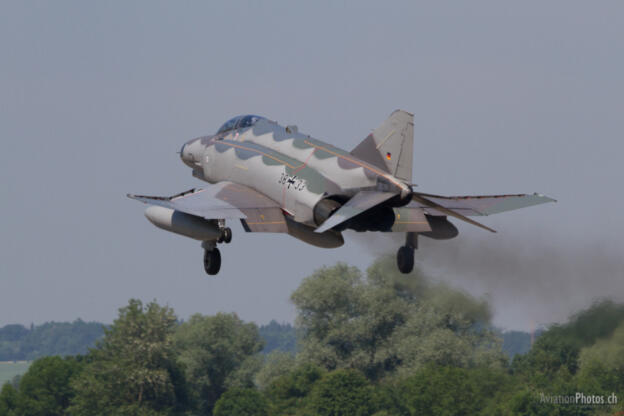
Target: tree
<point>218,352</point>
<point>276,364</point>
<point>280,337</point>
<point>8,400</point>
<point>12,333</point>
<point>50,338</point>
<point>560,346</point>
<point>288,393</point>
<point>435,390</point>
<point>133,370</point>
<point>241,402</point>
<point>602,364</point>
<point>390,322</point>
<point>45,389</point>
<point>342,392</point>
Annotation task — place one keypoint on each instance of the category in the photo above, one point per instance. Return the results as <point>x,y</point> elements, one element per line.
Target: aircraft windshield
<point>239,122</point>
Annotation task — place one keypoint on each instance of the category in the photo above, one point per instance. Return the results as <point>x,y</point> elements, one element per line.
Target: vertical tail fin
<point>391,145</point>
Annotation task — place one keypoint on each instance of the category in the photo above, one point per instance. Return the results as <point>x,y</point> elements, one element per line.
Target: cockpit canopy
<point>239,122</point>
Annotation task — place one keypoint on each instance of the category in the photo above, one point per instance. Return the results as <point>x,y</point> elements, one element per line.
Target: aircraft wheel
<point>405,259</point>
<point>227,235</point>
<point>212,261</point>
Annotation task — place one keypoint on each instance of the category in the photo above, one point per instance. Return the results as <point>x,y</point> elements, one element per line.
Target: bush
<point>241,402</point>
<point>342,392</point>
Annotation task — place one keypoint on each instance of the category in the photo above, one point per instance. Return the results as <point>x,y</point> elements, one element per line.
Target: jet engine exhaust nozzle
<point>324,209</point>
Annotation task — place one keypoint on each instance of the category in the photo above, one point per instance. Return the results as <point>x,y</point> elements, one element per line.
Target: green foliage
<point>602,364</point>
<point>18,343</point>
<point>390,322</point>
<point>52,338</point>
<point>289,392</point>
<point>12,333</point>
<point>342,392</point>
<point>381,344</point>
<point>8,400</point>
<point>241,402</point>
<point>275,364</point>
<point>45,389</point>
<point>434,390</point>
<point>560,346</point>
<point>218,352</point>
<point>134,369</point>
<point>280,337</point>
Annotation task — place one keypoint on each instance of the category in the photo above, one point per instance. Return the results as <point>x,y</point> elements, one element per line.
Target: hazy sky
<point>508,97</point>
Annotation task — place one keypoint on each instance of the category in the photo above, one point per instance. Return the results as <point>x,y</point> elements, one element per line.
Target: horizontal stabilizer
<point>477,205</point>
<point>461,207</point>
<point>445,211</point>
<point>362,201</point>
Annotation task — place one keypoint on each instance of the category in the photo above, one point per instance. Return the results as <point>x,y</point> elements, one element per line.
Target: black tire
<point>227,235</point>
<point>212,261</point>
<point>405,259</point>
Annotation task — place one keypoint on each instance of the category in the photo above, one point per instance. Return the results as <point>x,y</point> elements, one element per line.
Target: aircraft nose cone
<point>187,155</point>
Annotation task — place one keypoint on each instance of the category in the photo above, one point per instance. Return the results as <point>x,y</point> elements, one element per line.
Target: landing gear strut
<point>405,255</point>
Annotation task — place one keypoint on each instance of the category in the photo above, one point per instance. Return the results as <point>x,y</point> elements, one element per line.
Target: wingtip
<point>549,199</point>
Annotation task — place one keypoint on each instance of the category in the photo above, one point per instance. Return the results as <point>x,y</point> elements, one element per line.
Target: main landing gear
<point>405,255</point>
<point>226,235</point>
<point>212,261</point>
<point>212,255</point>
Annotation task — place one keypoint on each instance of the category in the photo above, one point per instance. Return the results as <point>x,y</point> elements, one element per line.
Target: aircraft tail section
<point>391,145</point>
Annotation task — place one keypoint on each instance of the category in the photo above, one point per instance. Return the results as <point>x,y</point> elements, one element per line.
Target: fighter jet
<point>275,179</point>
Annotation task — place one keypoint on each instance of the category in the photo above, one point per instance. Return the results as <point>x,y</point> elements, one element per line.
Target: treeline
<point>375,344</point>
<point>278,337</point>
<point>18,343</point>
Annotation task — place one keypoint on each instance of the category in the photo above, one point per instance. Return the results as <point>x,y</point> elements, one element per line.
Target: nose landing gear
<point>212,255</point>
<point>405,255</point>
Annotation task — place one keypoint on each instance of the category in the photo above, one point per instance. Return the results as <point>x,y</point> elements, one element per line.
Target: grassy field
<point>9,369</point>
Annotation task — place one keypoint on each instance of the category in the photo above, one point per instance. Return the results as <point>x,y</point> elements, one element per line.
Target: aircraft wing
<point>477,205</point>
<point>226,200</point>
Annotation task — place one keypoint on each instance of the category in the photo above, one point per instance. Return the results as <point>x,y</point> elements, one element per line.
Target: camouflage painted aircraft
<point>275,179</point>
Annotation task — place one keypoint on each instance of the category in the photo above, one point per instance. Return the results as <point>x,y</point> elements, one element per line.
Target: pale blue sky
<point>96,98</point>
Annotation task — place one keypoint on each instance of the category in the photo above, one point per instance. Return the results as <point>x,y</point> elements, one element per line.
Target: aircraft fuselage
<point>293,169</point>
